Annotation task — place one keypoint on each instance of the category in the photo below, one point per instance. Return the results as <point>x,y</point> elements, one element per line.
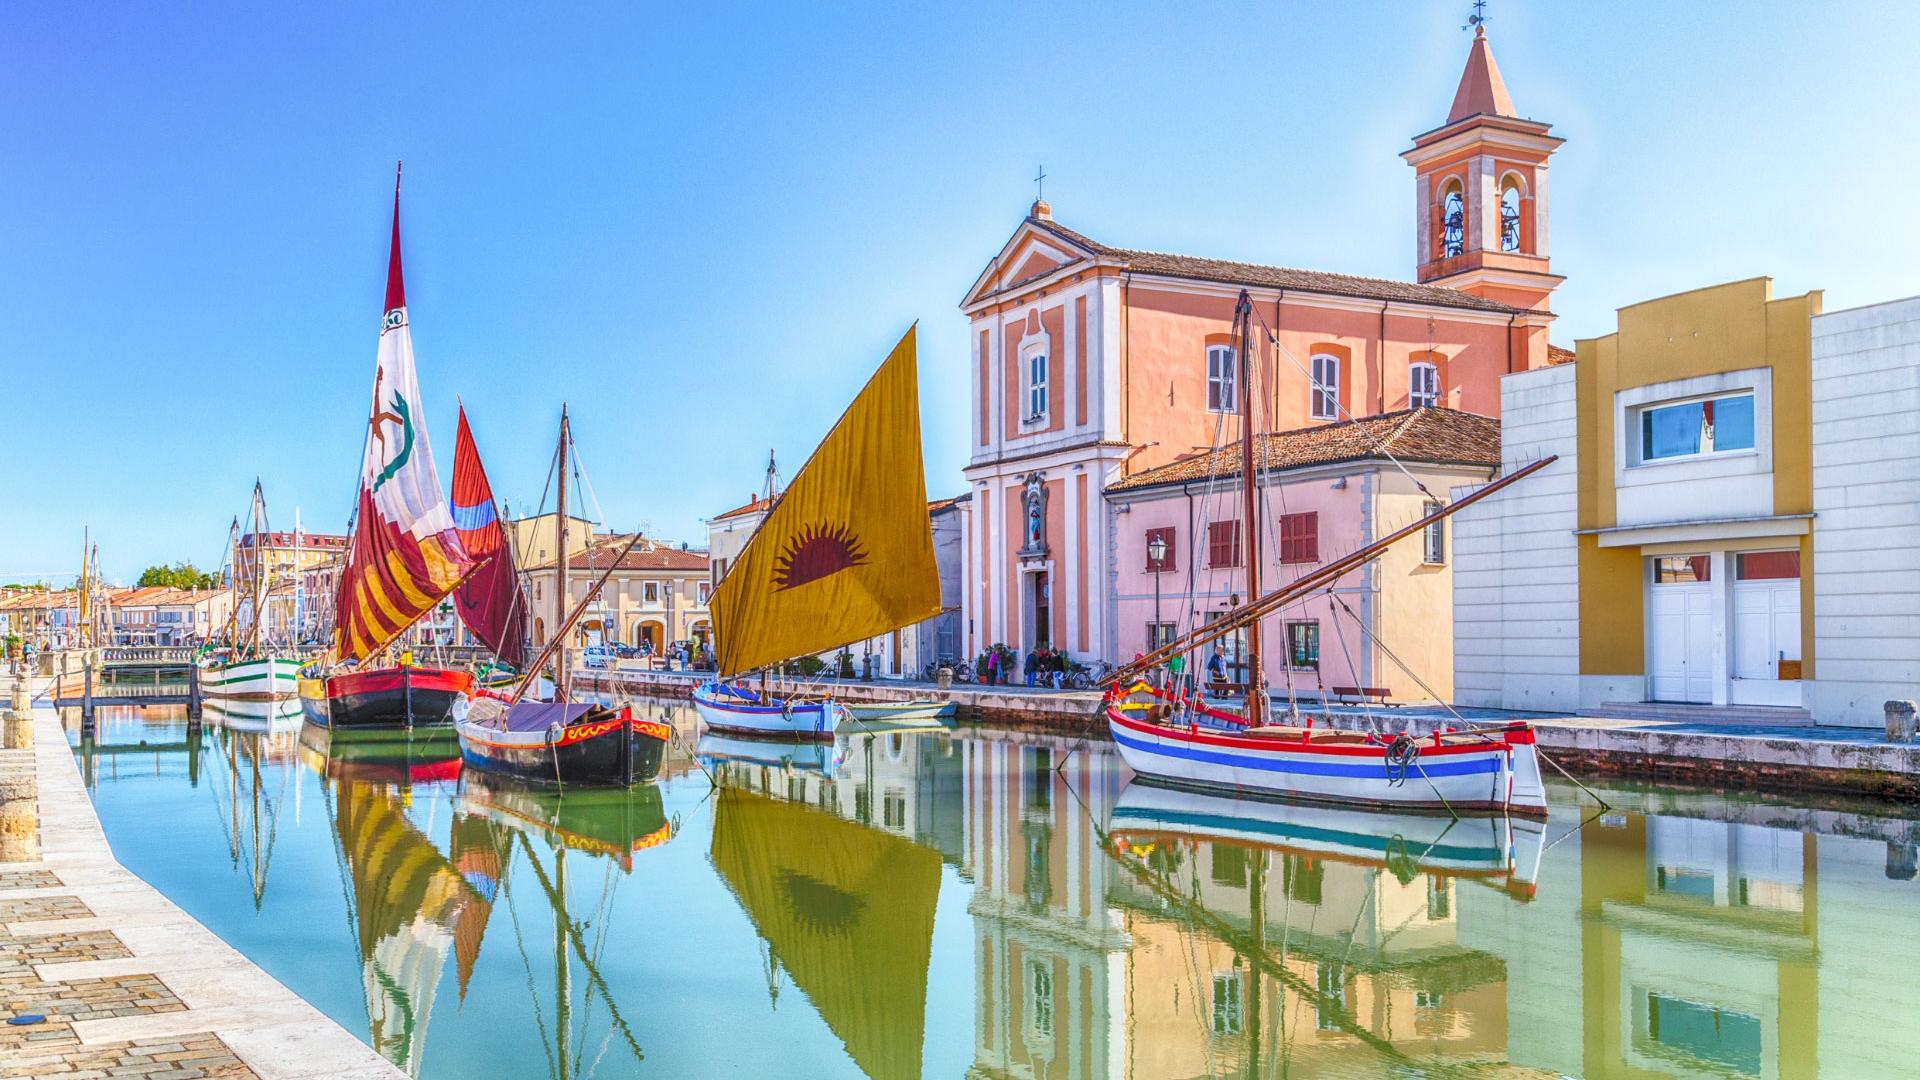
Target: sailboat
<point>844,555</point>
<point>1171,737</point>
<point>404,556</point>
<point>244,667</point>
<point>561,741</point>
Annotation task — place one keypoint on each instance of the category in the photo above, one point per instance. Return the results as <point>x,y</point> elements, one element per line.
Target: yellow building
<point>1726,529</point>
<point>657,594</point>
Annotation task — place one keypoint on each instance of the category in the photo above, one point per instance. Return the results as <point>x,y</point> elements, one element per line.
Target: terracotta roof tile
<point>1558,355</point>
<point>756,504</point>
<point>1274,277</point>
<point>1428,436</point>
<point>657,556</point>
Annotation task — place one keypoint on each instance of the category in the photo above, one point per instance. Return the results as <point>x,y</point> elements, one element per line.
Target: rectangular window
<point>1423,386</point>
<point>1325,396</point>
<point>1223,543</point>
<point>1696,428</point>
<point>1040,1000</point>
<point>1165,562</point>
<point>1228,865</point>
<point>1229,1014</point>
<point>1681,569</point>
<point>651,591</point>
<point>1303,644</point>
<point>1300,537</point>
<point>1331,981</point>
<point>1304,878</point>
<point>706,590</point>
<point>1220,371</point>
<point>893,810</point>
<point>1036,386</point>
<point>1159,635</point>
<point>1434,547</point>
<point>1767,566</point>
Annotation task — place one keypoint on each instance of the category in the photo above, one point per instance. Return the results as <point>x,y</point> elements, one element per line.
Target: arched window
<point>1324,396</point>
<point>1423,385</point>
<point>1510,215</point>
<point>1453,221</point>
<point>1220,379</point>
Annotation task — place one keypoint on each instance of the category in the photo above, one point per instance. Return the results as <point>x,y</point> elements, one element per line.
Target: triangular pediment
<point>1033,251</point>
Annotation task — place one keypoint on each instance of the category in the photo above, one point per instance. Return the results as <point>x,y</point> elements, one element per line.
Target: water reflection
<point>999,905</point>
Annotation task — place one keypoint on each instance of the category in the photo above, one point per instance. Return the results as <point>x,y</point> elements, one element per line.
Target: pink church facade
<point>1093,364</point>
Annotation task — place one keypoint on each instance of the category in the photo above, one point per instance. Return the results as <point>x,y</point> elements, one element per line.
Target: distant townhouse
<point>656,594</point>
<point>162,615</point>
<point>1727,530</point>
<point>1094,364</point>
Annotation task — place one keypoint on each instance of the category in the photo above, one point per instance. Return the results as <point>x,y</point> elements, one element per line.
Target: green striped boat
<point>263,679</point>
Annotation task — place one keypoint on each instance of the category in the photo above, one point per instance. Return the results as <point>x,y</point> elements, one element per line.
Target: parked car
<point>596,656</point>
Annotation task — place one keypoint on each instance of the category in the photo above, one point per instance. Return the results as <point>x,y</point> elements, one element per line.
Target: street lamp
<point>1156,554</point>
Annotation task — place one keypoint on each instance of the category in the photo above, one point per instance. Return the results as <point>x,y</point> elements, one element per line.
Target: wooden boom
<point>1322,575</point>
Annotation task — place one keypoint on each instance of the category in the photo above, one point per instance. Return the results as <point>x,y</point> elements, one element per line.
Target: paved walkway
<point>129,984</point>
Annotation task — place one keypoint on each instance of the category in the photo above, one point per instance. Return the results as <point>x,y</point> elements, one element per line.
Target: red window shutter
<point>1168,561</point>
<point>1223,543</point>
<point>1300,537</point>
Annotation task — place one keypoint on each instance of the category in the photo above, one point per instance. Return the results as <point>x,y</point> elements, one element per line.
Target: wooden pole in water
<point>86,695</point>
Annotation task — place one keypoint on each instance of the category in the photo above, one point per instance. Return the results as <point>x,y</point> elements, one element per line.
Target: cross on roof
<point>1479,16</point>
<point>1040,182</point>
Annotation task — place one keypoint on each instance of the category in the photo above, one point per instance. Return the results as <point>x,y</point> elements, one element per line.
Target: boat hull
<point>600,750</point>
<point>917,713</point>
<point>400,697</point>
<point>744,713</point>
<point>269,678</point>
<point>313,700</point>
<point>1496,775</point>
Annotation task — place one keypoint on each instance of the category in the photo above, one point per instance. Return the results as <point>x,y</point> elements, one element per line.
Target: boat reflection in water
<point>845,910</point>
<point>412,904</point>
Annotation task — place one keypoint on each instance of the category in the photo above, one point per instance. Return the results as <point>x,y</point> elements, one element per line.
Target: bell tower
<point>1481,197</point>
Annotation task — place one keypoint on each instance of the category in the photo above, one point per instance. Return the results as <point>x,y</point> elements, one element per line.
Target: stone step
<point>1790,716</point>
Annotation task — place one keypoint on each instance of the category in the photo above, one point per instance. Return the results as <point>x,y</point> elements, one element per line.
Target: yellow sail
<point>846,553</point>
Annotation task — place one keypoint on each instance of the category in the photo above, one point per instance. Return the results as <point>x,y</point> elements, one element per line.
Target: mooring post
<point>86,695</point>
<point>193,696</point>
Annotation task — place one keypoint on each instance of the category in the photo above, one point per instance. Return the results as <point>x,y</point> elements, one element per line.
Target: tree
<point>181,575</point>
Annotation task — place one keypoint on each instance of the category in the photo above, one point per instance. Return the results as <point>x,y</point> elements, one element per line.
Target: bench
<point>1221,688</point>
<point>1364,693</point>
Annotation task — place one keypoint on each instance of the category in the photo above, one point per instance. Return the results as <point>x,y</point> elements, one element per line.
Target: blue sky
<point>703,227</point>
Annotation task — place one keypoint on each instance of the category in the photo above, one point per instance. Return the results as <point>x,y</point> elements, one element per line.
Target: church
<point>1104,375</point>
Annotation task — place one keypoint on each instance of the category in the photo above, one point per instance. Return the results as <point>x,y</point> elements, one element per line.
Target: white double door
<point>1680,642</point>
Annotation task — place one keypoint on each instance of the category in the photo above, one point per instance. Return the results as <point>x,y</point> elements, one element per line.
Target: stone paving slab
<point>130,984</point>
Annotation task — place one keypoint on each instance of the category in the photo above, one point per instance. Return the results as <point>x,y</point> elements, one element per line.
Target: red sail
<point>489,601</point>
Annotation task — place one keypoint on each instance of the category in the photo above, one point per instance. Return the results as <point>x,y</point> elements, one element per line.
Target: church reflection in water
<point>1127,931</point>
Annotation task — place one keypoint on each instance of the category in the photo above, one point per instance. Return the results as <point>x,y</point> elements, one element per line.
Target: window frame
<point>1223,386</point>
<point>1294,660</point>
<point>1038,382</point>
<point>1452,244</point>
<point>1642,415</point>
<point>1319,388</point>
<point>1432,393</point>
<point>1510,225</point>
<point>1433,538</point>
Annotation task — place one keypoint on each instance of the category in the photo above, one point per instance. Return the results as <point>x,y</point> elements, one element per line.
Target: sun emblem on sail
<point>818,551</point>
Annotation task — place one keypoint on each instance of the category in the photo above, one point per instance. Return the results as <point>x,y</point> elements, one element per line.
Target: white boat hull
<point>773,718</point>
<point>1495,775</point>
<point>916,713</point>
<point>266,679</point>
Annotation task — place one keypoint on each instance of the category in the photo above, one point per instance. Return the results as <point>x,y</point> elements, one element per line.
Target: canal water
<point>998,905</point>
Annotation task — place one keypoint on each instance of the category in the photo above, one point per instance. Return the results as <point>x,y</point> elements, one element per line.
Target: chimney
<point>1041,211</point>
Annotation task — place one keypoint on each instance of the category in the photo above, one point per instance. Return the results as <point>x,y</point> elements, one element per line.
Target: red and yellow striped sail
<point>405,556</point>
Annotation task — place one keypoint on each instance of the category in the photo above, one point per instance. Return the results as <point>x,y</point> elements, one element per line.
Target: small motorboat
<point>562,743</point>
<point>917,713</point>
<point>1180,742</point>
<point>733,708</point>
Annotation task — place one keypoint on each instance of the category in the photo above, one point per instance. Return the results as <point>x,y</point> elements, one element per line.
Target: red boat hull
<point>399,697</point>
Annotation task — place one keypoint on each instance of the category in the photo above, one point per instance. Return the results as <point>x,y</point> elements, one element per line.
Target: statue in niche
<point>1035,499</point>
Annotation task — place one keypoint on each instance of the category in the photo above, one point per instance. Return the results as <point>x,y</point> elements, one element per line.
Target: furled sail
<point>847,552</point>
<point>405,556</point>
<point>489,601</point>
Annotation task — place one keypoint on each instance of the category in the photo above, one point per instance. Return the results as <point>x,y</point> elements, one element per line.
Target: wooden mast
<point>560,572</point>
<point>1256,710</point>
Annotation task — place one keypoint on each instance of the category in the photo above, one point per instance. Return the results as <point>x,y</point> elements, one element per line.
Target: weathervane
<point>1040,185</point>
<point>1477,20</point>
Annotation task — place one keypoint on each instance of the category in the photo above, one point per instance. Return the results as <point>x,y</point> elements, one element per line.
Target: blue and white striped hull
<point>1497,774</point>
<point>773,718</point>
<point>1492,846</point>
